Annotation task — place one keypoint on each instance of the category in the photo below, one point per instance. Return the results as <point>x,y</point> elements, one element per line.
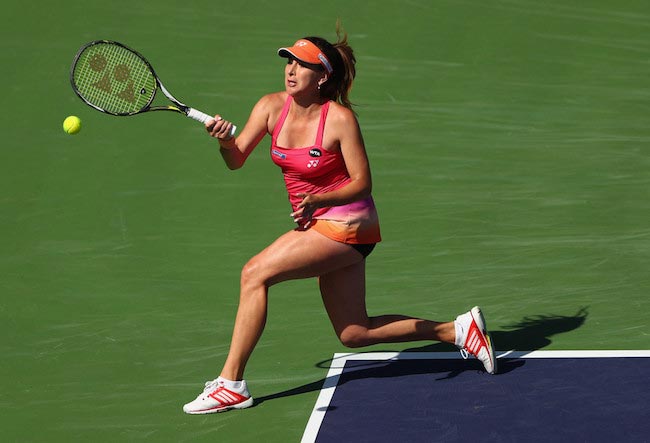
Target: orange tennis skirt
<point>354,223</point>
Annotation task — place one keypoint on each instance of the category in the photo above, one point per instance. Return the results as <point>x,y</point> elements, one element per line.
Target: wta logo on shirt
<point>314,152</point>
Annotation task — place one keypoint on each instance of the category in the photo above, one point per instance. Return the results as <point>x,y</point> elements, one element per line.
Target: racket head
<point>113,78</point>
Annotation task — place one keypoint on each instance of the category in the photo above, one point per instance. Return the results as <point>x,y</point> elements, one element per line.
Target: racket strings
<point>114,79</point>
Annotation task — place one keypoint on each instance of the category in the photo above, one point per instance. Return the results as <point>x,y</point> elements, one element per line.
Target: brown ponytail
<point>341,56</point>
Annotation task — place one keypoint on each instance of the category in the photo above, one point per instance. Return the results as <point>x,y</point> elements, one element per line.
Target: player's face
<point>301,78</point>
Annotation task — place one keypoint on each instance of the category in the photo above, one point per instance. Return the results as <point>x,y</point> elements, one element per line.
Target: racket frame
<point>177,106</point>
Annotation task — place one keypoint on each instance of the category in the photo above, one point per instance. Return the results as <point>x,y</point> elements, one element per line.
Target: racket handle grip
<point>203,117</point>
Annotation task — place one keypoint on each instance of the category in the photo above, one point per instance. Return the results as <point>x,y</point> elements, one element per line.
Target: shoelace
<point>210,384</point>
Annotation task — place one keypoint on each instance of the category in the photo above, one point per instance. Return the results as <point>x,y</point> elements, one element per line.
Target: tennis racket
<point>117,80</point>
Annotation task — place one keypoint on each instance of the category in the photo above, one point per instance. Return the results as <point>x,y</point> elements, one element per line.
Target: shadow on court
<point>530,334</point>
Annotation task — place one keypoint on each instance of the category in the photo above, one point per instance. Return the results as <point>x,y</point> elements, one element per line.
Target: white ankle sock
<point>459,334</point>
<point>237,386</point>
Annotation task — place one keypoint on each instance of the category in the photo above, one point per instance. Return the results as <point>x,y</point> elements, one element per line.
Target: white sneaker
<point>217,398</point>
<point>473,338</point>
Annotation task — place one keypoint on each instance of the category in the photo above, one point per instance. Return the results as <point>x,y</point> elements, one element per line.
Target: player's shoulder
<point>268,108</point>
<point>341,117</point>
<point>339,112</point>
<point>272,101</point>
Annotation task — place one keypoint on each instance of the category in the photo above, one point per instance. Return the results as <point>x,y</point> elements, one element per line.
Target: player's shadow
<point>530,334</point>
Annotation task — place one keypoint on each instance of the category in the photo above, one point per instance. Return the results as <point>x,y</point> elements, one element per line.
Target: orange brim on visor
<point>307,52</point>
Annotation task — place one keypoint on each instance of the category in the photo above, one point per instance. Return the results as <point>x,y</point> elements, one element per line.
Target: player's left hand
<point>306,209</point>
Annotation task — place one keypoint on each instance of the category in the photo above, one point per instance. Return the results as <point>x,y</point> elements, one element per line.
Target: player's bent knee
<point>251,273</point>
<point>354,338</point>
<point>256,272</point>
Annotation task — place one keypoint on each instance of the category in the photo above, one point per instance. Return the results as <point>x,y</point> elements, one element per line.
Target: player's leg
<point>295,255</point>
<point>344,295</point>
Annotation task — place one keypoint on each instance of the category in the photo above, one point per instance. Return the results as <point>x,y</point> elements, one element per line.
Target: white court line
<point>339,360</point>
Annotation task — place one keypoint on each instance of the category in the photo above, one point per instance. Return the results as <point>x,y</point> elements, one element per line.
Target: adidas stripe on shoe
<point>217,398</point>
<point>473,338</point>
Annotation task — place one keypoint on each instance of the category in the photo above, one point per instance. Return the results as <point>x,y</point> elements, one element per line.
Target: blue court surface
<point>536,396</point>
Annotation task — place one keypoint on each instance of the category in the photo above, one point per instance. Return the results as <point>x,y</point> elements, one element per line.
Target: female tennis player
<point>316,141</point>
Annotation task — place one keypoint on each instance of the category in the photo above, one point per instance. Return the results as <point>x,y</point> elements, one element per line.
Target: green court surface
<point>510,147</point>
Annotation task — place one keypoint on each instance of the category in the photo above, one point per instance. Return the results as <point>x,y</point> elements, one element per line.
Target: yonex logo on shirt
<point>312,163</point>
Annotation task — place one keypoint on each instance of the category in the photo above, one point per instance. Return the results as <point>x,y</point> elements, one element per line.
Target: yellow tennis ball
<point>72,124</point>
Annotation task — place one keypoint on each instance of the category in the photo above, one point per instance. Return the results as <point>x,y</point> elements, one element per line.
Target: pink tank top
<point>311,169</point>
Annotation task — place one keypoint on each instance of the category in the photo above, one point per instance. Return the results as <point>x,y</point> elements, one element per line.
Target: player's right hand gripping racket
<point>117,80</point>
